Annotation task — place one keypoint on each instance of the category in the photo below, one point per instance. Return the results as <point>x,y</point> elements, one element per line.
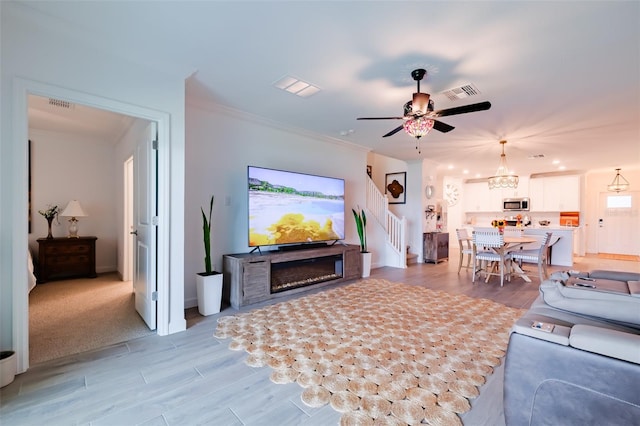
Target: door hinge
<point>155,220</point>
<point>154,296</point>
<point>154,144</point>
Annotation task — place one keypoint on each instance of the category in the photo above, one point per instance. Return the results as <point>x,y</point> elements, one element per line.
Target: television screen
<point>288,207</point>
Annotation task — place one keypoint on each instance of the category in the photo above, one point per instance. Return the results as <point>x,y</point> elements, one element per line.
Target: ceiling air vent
<point>461,92</point>
<point>60,103</point>
<point>535,156</point>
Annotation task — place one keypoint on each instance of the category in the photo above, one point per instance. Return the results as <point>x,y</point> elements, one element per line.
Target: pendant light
<point>619,183</point>
<point>503,178</point>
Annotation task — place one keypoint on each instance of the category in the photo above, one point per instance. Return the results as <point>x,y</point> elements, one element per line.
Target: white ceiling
<point>563,77</point>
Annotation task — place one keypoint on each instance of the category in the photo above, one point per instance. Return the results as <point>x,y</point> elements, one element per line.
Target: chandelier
<point>503,178</point>
<point>619,183</point>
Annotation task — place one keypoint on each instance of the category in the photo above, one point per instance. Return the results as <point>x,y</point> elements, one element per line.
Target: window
<point>619,201</point>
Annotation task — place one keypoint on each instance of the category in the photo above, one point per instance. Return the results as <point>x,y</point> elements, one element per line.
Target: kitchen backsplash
<point>484,219</point>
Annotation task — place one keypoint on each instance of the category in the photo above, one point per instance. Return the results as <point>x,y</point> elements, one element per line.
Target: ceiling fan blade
<point>393,132</point>
<point>482,106</point>
<point>442,127</point>
<point>379,118</point>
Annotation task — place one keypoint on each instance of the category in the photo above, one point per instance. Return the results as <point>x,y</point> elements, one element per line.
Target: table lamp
<point>73,210</point>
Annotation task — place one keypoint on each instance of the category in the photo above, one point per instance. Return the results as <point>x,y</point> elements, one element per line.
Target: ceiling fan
<point>419,115</point>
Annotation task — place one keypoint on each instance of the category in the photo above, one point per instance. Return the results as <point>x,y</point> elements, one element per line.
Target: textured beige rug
<point>379,352</point>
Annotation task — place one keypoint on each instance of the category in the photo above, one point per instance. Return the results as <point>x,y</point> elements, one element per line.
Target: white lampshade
<point>73,209</point>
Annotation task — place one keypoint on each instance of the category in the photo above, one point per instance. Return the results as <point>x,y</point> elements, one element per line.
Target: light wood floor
<point>191,378</point>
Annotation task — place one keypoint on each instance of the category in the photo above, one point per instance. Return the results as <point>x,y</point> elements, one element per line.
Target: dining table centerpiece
<point>499,223</point>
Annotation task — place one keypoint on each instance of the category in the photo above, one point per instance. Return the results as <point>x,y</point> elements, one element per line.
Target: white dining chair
<point>488,248</point>
<point>533,254</point>
<point>466,247</point>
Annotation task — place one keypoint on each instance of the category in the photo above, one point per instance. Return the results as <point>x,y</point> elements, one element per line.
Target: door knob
<point>134,233</point>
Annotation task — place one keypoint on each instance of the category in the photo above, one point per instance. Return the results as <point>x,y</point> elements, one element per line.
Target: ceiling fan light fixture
<point>418,127</point>
<point>503,177</point>
<point>420,103</point>
<point>619,183</point>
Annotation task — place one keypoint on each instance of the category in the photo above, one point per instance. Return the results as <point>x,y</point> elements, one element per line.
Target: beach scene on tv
<point>287,207</point>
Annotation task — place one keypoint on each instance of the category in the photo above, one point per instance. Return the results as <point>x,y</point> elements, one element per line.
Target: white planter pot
<point>366,264</point>
<point>8,367</point>
<point>209,290</point>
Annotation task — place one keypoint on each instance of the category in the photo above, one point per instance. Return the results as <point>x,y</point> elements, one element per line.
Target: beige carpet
<point>73,316</point>
<point>377,351</point>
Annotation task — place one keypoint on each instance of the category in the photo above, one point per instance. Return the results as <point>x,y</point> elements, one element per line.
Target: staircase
<point>395,227</point>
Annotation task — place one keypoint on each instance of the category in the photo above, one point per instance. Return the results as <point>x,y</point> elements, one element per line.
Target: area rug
<point>377,351</point>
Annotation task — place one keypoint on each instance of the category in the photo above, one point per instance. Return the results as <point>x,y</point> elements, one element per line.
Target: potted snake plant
<point>209,282</point>
<point>361,226</point>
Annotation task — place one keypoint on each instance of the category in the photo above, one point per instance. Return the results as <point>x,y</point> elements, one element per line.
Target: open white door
<point>145,223</point>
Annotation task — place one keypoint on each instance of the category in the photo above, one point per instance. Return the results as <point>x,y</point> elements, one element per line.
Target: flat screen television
<point>290,208</point>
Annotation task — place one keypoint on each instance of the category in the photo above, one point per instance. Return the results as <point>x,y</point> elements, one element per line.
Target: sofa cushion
<point>611,343</point>
<point>614,275</point>
<point>634,288</point>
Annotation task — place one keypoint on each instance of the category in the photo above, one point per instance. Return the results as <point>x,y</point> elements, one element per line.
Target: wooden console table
<point>254,277</point>
<point>61,258</point>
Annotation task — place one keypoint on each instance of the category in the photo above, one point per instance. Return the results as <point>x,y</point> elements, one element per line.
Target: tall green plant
<point>361,225</point>
<point>206,235</point>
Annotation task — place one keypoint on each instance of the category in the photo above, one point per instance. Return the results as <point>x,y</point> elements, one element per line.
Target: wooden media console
<point>254,277</point>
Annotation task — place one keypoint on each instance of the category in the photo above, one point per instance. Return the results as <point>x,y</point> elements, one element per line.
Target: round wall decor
<point>451,194</point>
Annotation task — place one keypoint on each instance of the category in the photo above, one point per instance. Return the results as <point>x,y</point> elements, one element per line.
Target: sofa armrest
<point>527,326</point>
<point>611,343</point>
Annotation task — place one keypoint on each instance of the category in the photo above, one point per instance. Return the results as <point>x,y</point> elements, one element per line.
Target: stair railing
<point>395,227</point>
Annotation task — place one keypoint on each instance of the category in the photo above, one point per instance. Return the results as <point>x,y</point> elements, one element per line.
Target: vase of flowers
<point>499,223</point>
<point>50,214</point>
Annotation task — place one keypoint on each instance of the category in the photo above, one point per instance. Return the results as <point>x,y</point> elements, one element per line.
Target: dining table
<point>515,243</point>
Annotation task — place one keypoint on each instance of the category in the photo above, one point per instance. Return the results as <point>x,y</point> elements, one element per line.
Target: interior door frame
<point>22,88</point>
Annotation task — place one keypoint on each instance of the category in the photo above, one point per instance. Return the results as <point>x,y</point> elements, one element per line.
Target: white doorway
<point>618,223</point>
<point>20,316</point>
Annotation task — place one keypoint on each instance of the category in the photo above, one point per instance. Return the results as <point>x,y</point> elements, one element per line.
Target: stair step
<point>412,258</point>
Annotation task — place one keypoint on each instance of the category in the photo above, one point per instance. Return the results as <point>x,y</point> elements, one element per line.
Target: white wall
<point>220,144</point>
<point>42,55</point>
<point>66,167</point>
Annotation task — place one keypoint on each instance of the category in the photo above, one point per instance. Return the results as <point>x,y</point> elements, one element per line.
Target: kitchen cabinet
<point>555,193</point>
<point>477,197</point>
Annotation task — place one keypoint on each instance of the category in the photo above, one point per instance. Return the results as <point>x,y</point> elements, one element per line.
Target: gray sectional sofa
<point>574,357</point>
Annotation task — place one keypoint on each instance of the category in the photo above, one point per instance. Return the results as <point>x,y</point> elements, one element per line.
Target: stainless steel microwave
<point>515,204</point>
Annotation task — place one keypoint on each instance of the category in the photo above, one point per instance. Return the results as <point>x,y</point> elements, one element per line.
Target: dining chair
<point>488,247</point>
<point>465,248</point>
<point>534,254</point>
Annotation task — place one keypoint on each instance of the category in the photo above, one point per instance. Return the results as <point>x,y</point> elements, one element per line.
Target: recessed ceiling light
<point>450,167</point>
<point>478,175</point>
<point>556,162</point>
<point>465,172</point>
<point>561,168</point>
<point>296,86</point>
